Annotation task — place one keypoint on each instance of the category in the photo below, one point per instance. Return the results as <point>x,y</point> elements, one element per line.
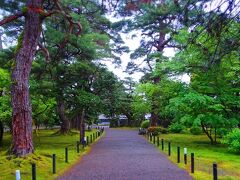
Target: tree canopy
<point>52,73</point>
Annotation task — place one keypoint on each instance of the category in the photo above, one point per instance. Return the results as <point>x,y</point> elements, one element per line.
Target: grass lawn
<point>205,154</point>
<point>45,145</point>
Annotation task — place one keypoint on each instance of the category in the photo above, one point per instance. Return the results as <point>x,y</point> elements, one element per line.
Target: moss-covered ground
<point>205,155</point>
<point>46,144</point>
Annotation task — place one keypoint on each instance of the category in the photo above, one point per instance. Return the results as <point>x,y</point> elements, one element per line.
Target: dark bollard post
<point>185,158</point>
<point>215,171</point>
<point>169,148</point>
<point>150,137</point>
<point>162,145</point>
<point>93,136</point>
<point>91,139</point>
<point>66,155</point>
<point>192,162</point>
<point>185,155</point>
<point>96,135</point>
<point>158,141</point>
<point>78,150</point>
<point>178,154</point>
<point>154,139</point>
<point>33,171</point>
<point>87,140</point>
<point>54,163</point>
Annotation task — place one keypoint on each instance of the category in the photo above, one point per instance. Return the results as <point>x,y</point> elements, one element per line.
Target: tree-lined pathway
<point>121,155</point>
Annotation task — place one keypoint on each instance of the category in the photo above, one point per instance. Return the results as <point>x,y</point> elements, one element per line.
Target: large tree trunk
<point>154,107</point>
<point>22,111</point>
<point>65,125</point>
<point>154,118</point>
<point>74,124</point>
<point>82,126</point>
<point>160,47</point>
<point>156,79</point>
<point>129,116</point>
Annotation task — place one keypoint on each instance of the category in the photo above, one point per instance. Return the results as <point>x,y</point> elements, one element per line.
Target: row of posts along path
<point>124,155</point>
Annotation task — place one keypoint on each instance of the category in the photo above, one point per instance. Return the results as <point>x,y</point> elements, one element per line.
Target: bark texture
<point>82,126</point>
<point>160,47</point>
<point>22,111</point>
<point>65,125</point>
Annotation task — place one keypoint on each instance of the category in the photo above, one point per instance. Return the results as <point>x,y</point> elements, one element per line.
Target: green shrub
<point>156,130</point>
<point>176,127</point>
<point>221,132</point>
<point>145,124</point>
<point>195,130</point>
<point>232,139</point>
<point>163,130</point>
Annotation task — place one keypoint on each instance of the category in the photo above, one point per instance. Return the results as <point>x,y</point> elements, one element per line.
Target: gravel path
<point>124,155</point>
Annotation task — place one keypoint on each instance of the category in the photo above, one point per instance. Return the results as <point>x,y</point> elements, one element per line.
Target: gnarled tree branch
<point>11,18</point>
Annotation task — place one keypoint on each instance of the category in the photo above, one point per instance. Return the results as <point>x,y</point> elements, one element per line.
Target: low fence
<point>88,140</point>
<point>161,143</point>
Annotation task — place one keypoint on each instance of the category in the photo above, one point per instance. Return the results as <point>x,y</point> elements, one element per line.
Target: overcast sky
<point>133,43</point>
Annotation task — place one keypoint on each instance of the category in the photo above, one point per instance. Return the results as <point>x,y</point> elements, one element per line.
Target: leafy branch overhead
<point>53,53</point>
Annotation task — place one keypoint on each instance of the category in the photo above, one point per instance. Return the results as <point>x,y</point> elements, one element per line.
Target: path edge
<point>84,153</point>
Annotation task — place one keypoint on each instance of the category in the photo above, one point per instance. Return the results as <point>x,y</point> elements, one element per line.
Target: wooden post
<point>54,163</point>
<point>178,154</point>
<point>18,175</point>
<point>78,149</point>
<point>66,155</point>
<point>215,171</point>
<point>33,171</point>
<point>192,162</point>
<point>185,155</point>
<point>169,148</point>
<point>162,145</point>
